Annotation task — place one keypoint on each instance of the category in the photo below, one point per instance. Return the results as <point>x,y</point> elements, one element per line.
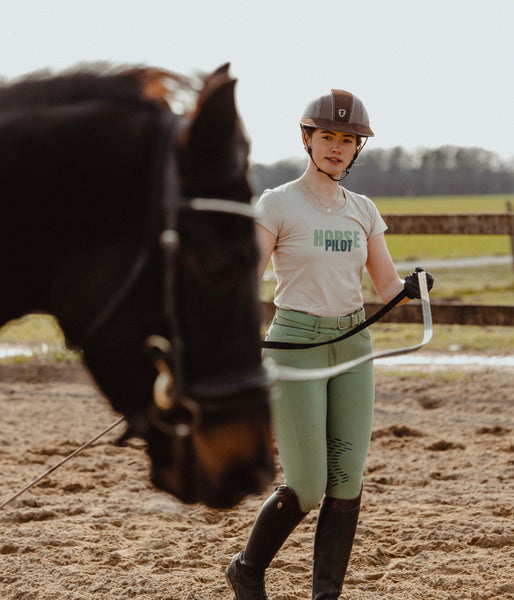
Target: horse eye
<point>220,267</point>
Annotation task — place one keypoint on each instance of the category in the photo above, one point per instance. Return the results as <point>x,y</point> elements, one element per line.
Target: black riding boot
<point>279,515</point>
<point>337,522</point>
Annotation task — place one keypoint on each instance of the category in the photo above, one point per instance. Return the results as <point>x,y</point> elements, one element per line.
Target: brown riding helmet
<point>338,111</point>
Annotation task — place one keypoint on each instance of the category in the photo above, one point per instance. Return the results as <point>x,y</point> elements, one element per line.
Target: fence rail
<point>451,224</point>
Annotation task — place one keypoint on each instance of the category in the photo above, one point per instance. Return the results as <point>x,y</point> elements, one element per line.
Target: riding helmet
<point>338,111</point>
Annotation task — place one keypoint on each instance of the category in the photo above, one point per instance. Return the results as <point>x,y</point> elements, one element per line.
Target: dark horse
<point>94,167</point>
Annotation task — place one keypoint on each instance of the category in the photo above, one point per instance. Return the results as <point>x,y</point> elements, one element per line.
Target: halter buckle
<point>169,240</point>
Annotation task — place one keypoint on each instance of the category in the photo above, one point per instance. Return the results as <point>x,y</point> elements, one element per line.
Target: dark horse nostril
<point>242,480</point>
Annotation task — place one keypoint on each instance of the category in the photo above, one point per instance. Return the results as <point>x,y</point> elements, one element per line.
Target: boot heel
<point>245,583</point>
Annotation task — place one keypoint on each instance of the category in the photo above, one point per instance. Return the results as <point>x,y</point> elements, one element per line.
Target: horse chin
<point>234,459</point>
<point>233,485</point>
<point>218,465</point>
<point>236,483</point>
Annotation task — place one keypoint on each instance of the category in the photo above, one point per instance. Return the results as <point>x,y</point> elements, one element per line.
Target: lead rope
<point>284,373</point>
<point>64,460</point>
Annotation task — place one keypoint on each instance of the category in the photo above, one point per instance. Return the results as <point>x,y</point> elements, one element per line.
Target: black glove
<point>411,285</point>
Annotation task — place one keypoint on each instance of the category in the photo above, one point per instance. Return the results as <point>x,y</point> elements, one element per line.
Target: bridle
<point>175,409</point>
<point>170,391</point>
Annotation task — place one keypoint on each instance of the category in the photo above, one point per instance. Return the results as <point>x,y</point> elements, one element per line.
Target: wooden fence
<point>445,312</point>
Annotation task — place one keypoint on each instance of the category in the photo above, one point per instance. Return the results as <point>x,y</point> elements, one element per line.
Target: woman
<point>321,236</point>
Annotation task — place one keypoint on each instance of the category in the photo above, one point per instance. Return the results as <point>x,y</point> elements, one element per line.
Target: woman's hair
<point>310,130</point>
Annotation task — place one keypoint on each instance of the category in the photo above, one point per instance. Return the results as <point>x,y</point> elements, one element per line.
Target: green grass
<point>425,247</point>
<point>479,285</point>
<point>447,338</point>
<point>33,329</point>
<point>485,203</point>
<point>42,334</point>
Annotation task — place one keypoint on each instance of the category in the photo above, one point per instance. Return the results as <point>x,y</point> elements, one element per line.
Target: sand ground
<point>437,520</point>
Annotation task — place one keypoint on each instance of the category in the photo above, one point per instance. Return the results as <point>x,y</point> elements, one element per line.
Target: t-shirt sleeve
<point>378,225</point>
<point>269,212</point>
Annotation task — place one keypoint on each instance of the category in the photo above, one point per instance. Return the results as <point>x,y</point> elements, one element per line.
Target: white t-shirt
<point>319,258</point>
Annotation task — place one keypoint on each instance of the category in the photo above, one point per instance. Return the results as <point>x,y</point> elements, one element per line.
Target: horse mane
<point>125,84</point>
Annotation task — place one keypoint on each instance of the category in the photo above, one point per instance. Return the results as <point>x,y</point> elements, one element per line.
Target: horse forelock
<point>164,86</point>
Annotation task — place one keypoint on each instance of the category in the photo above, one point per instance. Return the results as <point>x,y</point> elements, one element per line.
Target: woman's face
<point>333,151</point>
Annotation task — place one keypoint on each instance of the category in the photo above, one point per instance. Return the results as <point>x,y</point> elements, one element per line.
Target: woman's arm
<point>382,271</point>
<point>266,242</point>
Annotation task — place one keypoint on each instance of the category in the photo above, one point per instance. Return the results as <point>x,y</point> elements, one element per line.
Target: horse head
<point>227,452</point>
<point>120,268</point>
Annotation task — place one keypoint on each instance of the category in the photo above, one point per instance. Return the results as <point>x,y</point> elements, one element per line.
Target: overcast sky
<point>430,72</point>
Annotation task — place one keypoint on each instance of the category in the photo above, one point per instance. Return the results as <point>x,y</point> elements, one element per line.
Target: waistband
<point>342,322</point>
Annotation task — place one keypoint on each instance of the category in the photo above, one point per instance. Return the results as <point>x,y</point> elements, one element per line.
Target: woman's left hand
<point>411,285</point>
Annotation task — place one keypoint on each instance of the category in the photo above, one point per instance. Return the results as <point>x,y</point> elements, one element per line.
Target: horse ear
<point>215,118</point>
<point>222,69</point>
<point>215,139</point>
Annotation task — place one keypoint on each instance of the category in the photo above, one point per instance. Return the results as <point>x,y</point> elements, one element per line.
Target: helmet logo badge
<point>342,112</point>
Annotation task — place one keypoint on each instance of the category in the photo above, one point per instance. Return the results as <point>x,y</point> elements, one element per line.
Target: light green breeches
<point>323,427</point>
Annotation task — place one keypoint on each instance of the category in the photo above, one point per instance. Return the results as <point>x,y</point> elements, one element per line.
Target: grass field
<point>485,203</point>
<point>485,285</point>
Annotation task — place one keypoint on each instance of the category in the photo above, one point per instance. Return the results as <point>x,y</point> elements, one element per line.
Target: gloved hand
<point>411,285</point>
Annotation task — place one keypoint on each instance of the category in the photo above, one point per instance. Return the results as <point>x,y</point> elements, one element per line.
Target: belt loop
<point>316,325</point>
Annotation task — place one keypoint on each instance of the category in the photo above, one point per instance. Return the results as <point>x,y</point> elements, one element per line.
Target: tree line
<point>396,172</point>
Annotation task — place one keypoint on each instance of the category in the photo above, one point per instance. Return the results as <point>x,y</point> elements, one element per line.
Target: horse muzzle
<point>212,442</point>
<point>217,459</point>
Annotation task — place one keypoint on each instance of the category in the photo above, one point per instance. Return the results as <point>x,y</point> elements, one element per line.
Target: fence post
<point>509,209</point>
